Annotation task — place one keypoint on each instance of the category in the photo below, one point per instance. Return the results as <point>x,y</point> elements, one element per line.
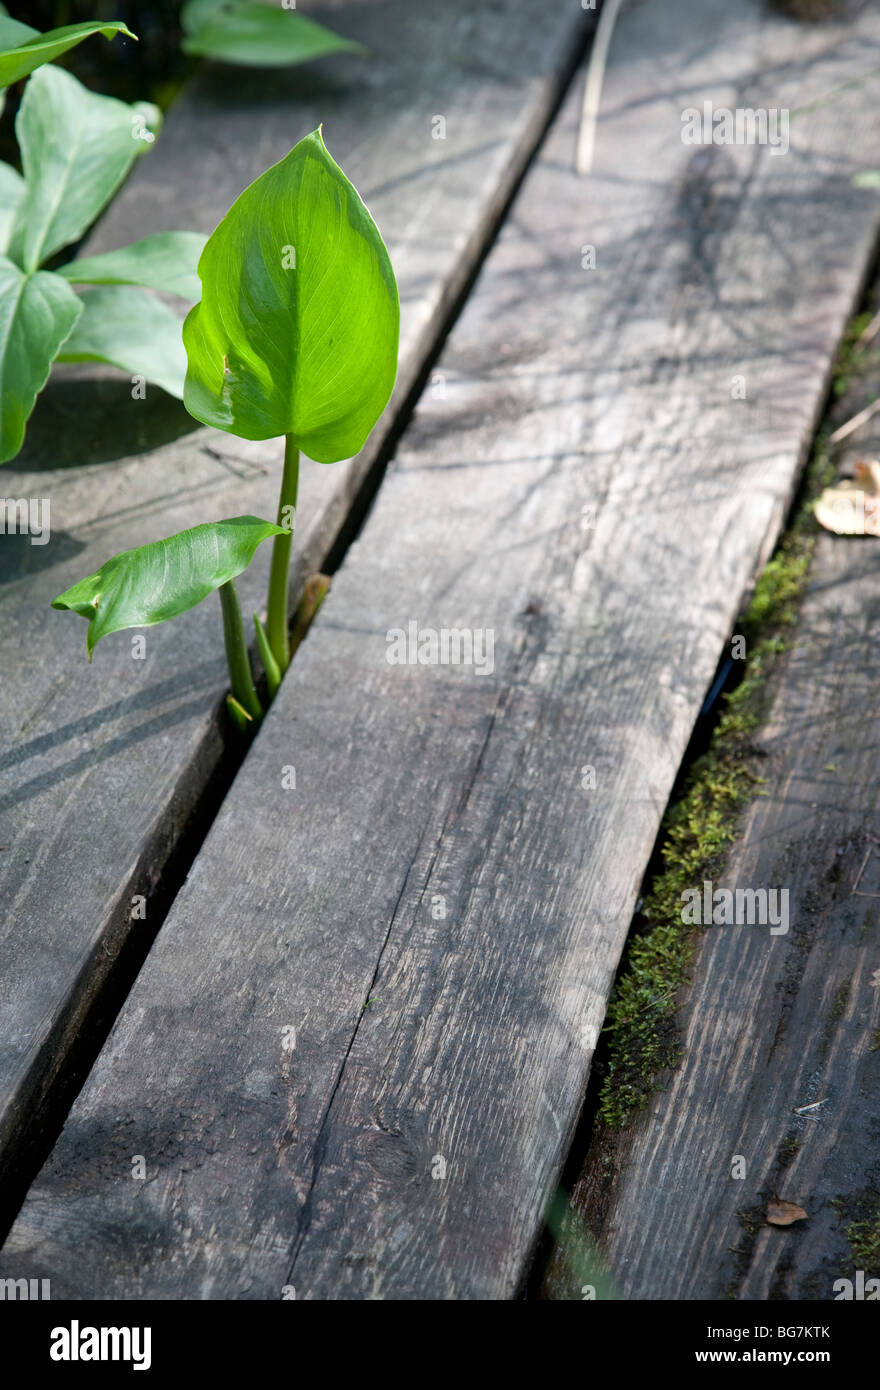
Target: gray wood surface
<point>102,766</point>
<point>580,481</point>
<point>773,1025</point>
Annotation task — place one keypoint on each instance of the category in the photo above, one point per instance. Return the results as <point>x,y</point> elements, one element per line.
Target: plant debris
<point>781,1213</point>
<point>852,506</point>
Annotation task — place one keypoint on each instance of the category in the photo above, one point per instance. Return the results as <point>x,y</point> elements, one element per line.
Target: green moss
<point>855,357</point>
<point>751,1219</point>
<point>644,1037</point>
<point>788,1151</point>
<point>835,1013</point>
<point>841,999</point>
<point>864,1237</point>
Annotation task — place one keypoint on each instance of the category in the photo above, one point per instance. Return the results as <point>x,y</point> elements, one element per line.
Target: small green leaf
<point>164,261</point>
<point>37,312</point>
<point>270,665</point>
<point>259,35</point>
<point>22,49</point>
<point>132,331</point>
<point>76,148</point>
<point>298,327</point>
<point>12,190</point>
<point>155,582</point>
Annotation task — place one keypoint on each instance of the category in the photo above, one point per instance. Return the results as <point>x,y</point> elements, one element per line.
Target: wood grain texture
<point>439,905</point>
<point>103,765</point>
<point>773,1025</point>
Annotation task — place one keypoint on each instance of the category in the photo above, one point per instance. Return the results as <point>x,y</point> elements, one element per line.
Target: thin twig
<point>854,423</point>
<point>593,85</point>
<point>806,1109</point>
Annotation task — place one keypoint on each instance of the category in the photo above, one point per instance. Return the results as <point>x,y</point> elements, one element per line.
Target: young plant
<point>262,35</point>
<point>76,149</point>
<point>296,335</point>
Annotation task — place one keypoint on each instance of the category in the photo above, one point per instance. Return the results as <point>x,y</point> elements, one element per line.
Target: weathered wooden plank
<point>773,1024</point>
<point>103,766</point>
<point>439,905</point>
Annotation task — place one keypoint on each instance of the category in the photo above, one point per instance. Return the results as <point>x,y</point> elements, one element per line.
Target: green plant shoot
<point>296,336</point>
<point>297,330</point>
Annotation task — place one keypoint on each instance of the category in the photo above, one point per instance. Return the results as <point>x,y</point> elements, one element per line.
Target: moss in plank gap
<point>841,999</point>
<point>788,1151</point>
<point>856,357</point>
<point>864,1238</point>
<point>644,1035</point>
<point>862,1213</point>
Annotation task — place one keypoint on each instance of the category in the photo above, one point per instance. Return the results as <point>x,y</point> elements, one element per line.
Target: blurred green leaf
<point>257,35</point>
<point>13,32</point>
<point>23,49</point>
<point>164,261</point>
<point>132,331</point>
<point>37,312</point>
<point>297,330</point>
<point>76,148</point>
<point>11,194</point>
<point>155,582</point>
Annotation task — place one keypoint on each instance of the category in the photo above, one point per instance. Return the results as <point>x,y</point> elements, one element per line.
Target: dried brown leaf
<point>781,1213</point>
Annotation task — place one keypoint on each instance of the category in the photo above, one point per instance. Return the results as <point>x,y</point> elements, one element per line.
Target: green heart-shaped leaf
<point>23,49</point>
<point>298,327</point>
<point>261,35</point>
<point>132,331</point>
<point>155,582</point>
<point>76,148</point>
<point>164,261</point>
<point>12,190</point>
<point>37,312</point>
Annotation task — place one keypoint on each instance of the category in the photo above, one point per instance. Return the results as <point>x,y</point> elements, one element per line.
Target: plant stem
<point>240,675</point>
<point>270,665</point>
<point>277,615</point>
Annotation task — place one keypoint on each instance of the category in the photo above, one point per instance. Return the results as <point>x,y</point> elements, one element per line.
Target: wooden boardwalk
<point>781,1062</point>
<point>355,1057</point>
<point>142,735</point>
